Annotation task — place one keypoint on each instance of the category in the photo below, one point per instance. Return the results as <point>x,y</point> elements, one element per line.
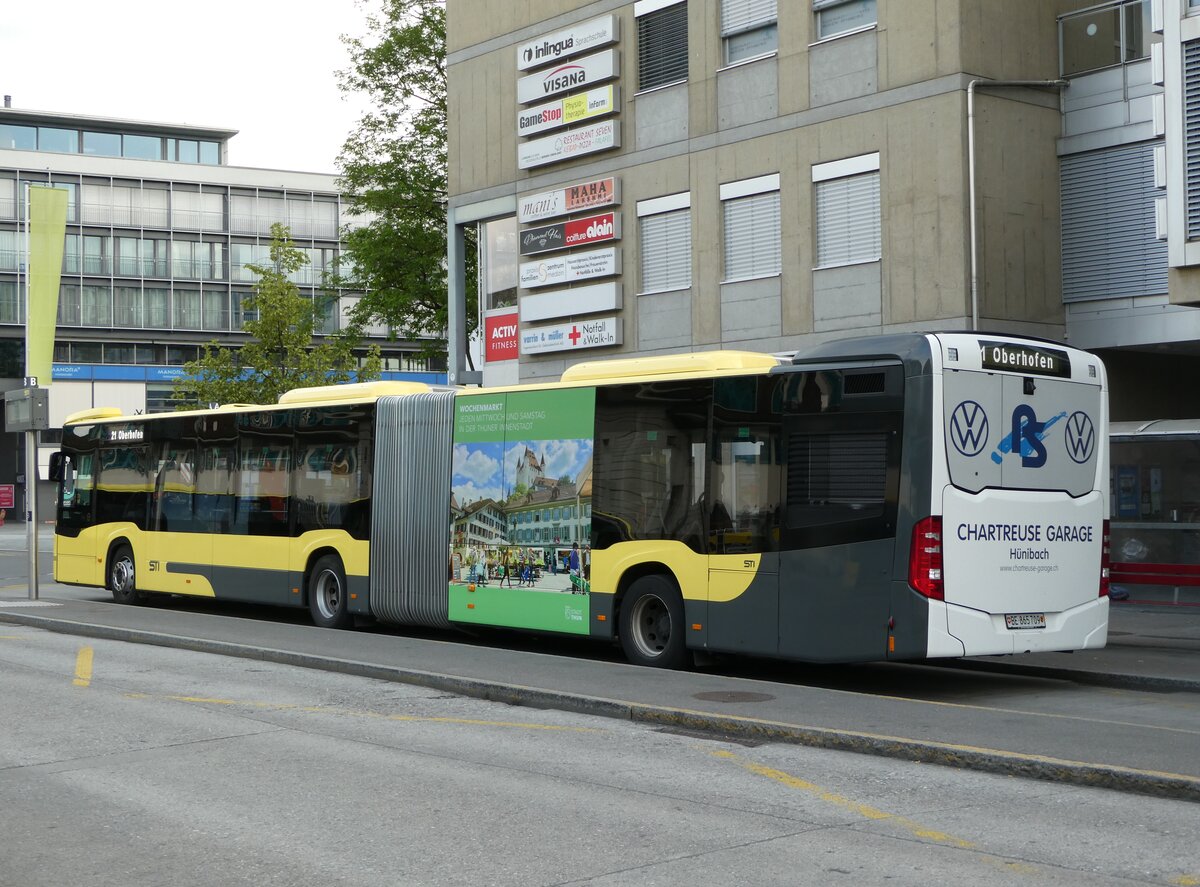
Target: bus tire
<point>651,625</point>
<point>328,594</point>
<point>122,577</point>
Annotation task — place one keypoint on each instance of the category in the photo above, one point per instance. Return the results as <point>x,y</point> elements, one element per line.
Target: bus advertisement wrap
<point>520,494</point>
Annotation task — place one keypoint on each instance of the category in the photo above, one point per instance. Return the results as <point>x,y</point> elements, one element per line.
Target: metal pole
<point>30,440</point>
<point>972,222</point>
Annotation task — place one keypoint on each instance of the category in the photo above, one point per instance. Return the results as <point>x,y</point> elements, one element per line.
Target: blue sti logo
<point>1026,438</point>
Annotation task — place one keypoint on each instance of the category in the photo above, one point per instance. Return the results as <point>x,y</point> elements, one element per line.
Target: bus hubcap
<point>329,594</point>
<point>652,626</point>
<point>123,575</point>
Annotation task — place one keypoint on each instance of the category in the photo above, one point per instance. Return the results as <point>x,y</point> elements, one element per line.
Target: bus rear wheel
<point>122,577</point>
<point>652,624</point>
<point>328,594</point>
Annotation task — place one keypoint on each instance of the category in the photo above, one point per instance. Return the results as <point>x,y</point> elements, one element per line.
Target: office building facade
<point>676,175</point>
<point>160,233</point>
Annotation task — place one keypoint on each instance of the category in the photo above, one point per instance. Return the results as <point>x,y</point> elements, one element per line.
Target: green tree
<point>393,172</point>
<point>281,354</point>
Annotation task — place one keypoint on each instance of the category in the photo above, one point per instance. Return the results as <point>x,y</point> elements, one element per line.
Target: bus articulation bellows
<point>891,497</point>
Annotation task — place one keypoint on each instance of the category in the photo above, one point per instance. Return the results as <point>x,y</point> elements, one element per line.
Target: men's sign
<point>571,199</point>
<point>569,76</point>
<point>576,336</point>
<point>577,232</point>
<point>570,109</point>
<point>548,48</point>
<point>570,267</point>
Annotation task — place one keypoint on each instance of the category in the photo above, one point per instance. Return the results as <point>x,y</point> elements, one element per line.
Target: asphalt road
<point>130,765</point>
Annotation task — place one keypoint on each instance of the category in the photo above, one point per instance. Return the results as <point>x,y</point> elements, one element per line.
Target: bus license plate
<point>1025,620</point>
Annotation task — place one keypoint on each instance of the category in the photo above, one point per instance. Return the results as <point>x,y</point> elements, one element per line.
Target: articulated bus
<point>894,497</point>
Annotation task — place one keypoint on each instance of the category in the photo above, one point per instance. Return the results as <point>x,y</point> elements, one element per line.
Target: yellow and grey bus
<point>891,497</point>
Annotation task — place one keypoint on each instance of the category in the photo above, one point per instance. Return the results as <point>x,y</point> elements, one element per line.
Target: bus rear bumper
<point>986,634</point>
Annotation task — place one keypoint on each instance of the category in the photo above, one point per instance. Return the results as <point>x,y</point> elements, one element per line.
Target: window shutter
<point>1109,243</point>
<point>662,46</point>
<point>752,236</point>
<point>1191,135</point>
<point>666,245</point>
<point>848,222</point>
<point>744,15</point>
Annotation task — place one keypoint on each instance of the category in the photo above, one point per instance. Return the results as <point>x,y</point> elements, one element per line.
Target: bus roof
<point>1155,428</point>
<point>700,363</point>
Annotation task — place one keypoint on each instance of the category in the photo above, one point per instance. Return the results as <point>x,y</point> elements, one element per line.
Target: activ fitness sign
<point>569,76</point>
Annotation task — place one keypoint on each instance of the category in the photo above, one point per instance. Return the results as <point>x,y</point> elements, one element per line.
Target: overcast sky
<point>262,67</point>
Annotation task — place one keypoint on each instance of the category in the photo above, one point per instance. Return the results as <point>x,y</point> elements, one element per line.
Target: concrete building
<point>159,235</point>
<point>675,175</point>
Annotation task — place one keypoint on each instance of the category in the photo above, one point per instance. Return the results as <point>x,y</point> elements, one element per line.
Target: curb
<point>1125,779</point>
<point>1093,678</point>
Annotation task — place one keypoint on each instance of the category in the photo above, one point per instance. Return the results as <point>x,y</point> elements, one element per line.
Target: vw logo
<point>969,428</point>
<point>1080,437</point>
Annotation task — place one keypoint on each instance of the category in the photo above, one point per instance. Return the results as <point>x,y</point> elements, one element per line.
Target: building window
<point>1105,36</point>
<point>848,211</point>
<point>127,307</point>
<point>142,147</point>
<point>748,29</point>
<point>102,144</point>
<point>97,305</point>
<point>63,141</point>
<point>68,305</point>
<point>842,16</point>
<point>498,263</point>
<point>1191,136</point>
<point>753,241</point>
<point>22,138</point>
<point>665,226</point>
<point>662,42</point>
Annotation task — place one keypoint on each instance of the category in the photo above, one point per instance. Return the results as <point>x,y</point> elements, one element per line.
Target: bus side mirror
<point>57,465</point>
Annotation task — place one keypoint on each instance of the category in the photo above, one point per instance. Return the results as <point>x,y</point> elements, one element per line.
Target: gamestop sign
<point>569,76</point>
<point>569,145</point>
<point>578,336</point>
<point>500,332</point>
<point>563,112</point>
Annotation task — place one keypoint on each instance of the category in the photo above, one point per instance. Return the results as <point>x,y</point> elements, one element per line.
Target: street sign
<point>27,409</point>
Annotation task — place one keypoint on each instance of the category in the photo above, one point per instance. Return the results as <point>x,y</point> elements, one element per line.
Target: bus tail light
<point>1105,560</point>
<point>925,559</point>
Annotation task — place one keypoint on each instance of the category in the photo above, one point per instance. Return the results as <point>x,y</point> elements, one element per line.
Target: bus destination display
<point>1024,359</point>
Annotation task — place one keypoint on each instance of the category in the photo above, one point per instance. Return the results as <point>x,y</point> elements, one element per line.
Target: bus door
<point>841,443</point>
<point>741,507</point>
<point>178,548</point>
<point>74,546</point>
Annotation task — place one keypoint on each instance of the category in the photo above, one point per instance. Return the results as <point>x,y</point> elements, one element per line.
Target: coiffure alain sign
<point>577,232</point>
<point>563,44</point>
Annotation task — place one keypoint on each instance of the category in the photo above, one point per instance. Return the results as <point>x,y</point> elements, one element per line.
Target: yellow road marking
<point>863,810</point>
<point>83,667</point>
<point>321,709</point>
<point>874,813</point>
<point>1186,881</point>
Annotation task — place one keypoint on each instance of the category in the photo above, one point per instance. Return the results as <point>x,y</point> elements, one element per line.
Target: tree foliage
<point>393,171</point>
<point>281,354</point>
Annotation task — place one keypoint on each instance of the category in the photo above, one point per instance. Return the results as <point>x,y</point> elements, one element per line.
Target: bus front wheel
<point>122,577</point>
<point>327,593</point>
<point>652,624</point>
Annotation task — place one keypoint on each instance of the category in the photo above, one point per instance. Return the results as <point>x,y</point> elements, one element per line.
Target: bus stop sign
<point>27,409</point>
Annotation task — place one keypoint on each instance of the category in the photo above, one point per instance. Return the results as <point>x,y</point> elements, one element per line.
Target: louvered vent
<point>864,383</point>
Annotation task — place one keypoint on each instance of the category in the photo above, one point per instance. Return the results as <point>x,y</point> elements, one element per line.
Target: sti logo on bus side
<point>1026,438</point>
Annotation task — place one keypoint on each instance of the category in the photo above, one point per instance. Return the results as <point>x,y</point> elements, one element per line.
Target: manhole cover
<point>733,696</point>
